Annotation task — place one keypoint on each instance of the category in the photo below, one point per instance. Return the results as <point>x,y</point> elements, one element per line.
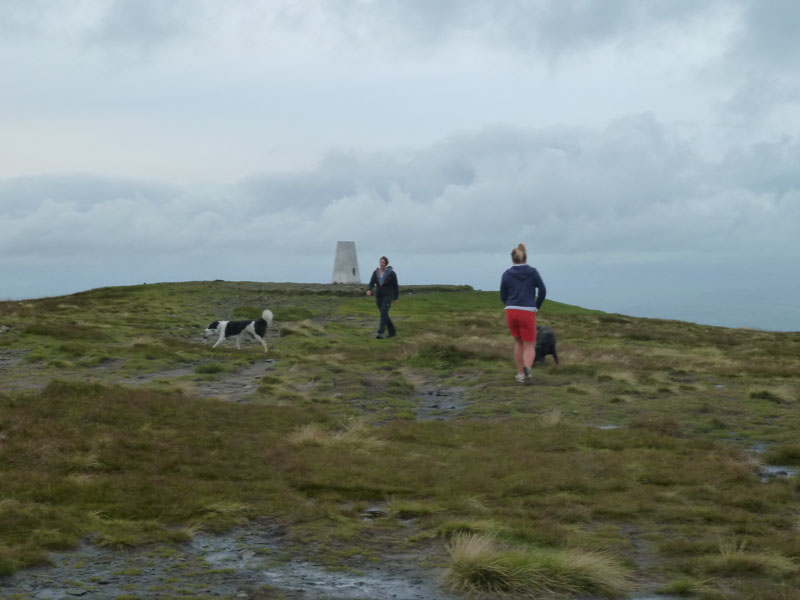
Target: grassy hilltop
<point>637,464</point>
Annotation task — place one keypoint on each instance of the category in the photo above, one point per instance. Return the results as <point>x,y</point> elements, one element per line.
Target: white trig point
<point>345,267</point>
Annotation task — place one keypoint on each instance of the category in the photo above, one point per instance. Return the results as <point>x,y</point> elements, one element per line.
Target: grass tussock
<point>410,509</point>
<point>122,533</point>
<point>783,454</point>
<point>553,417</point>
<point>736,559</point>
<point>479,565</point>
<point>777,394</point>
<point>355,433</point>
<point>685,587</point>
<point>305,328</point>
<point>488,528</point>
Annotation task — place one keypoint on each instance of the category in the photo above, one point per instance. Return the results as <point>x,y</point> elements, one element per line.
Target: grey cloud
<point>564,27</point>
<point>144,25</point>
<point>766,168</point>
<point>767,38</point>
<point>627,188</point>
<point>423,176</point>
<point>547,28</point>
<point>761,60</point>
<point>758,95</point>
<point>551,27</point>
<point>626,218</point>
<point>22,195</point>
<point>24,17</point>
<point>139,25</point>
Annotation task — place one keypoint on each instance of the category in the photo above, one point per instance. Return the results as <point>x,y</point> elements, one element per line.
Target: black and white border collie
<point>237,329</point>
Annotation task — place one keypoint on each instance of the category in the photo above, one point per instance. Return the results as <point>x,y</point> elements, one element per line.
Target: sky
<point>646,152</point>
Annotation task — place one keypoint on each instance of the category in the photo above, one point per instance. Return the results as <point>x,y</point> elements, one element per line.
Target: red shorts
<point>522,324</point>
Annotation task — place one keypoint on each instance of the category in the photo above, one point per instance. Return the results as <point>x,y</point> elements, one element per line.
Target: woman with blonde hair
<point>522,291</point>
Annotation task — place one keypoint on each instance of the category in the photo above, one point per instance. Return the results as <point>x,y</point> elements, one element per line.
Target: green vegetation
<point>628,467</point>
<point>478,565</point>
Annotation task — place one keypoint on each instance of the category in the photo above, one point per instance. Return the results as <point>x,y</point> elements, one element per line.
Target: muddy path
<point>254,563</point>
<point>436,402</point>
<point>257,562</point>
<point>236,386</point>
<point>247,563</point>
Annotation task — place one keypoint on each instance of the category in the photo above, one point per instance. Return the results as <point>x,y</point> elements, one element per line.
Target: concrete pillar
<point>345,267</point>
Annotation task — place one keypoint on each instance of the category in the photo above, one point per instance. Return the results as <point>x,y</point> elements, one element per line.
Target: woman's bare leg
<point>519,354</point>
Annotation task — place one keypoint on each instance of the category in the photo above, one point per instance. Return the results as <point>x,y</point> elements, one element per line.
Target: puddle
<point>770,472</point>
<point>759,447</point>
<point>14,378</point>
<point>235,565</point>
<point>237,386</point>
<point>11,358</point>
<point>316,582</point>
<point>376,511</point>
<point>439,404</point>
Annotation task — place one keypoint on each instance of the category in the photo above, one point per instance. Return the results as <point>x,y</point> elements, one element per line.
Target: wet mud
<point>252,563</point>
<point>247,564</point>
<point>438,403</point>
<point>237,386</point>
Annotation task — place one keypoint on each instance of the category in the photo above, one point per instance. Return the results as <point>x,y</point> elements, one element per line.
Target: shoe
<point>392,334</point>
<point>528,375</point>
<point>379,336</point>
<point>520,377</point>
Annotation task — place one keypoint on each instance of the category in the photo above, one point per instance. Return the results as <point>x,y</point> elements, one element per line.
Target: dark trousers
<point>384,305</point>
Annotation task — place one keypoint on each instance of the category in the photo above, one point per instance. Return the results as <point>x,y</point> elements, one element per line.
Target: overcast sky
<point>646,151</point>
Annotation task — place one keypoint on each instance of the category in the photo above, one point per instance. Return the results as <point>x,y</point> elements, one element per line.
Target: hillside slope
<point>640,463</point>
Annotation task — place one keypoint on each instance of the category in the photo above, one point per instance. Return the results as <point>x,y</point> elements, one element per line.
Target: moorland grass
<point>331,427</point>
<point>783,454</point>
<point>479,565</point>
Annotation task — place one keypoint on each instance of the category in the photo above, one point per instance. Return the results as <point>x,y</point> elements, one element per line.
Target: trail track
<point>252,563</point>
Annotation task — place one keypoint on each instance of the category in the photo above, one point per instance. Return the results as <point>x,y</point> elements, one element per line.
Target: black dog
<point>545,344</point>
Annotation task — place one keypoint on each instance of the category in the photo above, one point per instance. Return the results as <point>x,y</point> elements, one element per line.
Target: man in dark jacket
<point>385,280</point>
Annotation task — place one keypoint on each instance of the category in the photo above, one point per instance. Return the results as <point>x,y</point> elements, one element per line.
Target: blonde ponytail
<point>519,255</point>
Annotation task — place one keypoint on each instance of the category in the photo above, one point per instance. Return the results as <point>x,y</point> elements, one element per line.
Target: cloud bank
<point>646,152</point>
<point>629,196</point>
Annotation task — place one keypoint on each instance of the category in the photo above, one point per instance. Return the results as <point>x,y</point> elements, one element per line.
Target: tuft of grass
<point>664,425</point>
<point>734,559</point>
<point>305,328</point>
<point>479,565</point>
<point>295,313</point>
<point>410,509</point>
<point>553,417</point>
<point>247,312</point>
<point>65,331</point>
<point>123,533</point>
<point>684,586</point>
<point>212,368</point>
<point>356,432</point>
<point>778,395</point>
<point>485,527</point>
<point>433,351</point>
<point>783,454</point>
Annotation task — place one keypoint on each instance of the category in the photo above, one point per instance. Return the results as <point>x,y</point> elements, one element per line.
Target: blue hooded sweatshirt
<point>522,288</point>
